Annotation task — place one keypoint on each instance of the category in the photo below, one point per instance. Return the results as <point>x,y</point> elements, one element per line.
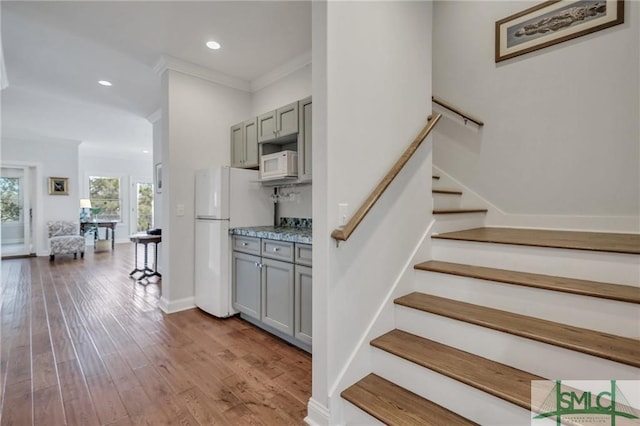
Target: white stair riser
<point>446,201</point>
<point>354,416</point>
<point>462,399</point>
<point>616,268</point>
<point>458,222</point>
<point>538,358</point>
<point>604,315</point>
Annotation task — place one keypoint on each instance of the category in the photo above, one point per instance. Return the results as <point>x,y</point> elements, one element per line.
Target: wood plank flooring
<point>595,241</point>
<point>83,344</point>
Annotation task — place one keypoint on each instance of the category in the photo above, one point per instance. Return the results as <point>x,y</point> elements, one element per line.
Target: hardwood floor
<point>82,344</point>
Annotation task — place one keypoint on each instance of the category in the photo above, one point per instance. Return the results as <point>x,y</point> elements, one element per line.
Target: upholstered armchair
<point>64,239</point>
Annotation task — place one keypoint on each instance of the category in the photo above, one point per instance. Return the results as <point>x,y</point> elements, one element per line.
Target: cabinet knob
<point>276,248</point>
<point>244,244</point>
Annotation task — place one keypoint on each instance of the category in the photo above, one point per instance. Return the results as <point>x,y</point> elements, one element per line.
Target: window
<point>10,199</point>
<point>145,206</point>
<point>104,193</point>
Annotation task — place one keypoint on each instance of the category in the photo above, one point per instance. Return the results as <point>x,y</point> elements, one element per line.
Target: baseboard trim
<point>317,414</point>
<point>176,305</point>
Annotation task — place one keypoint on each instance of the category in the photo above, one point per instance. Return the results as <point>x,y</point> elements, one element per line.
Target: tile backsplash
<point>296,222</point>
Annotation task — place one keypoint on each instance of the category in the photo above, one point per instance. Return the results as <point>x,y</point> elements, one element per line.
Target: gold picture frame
<point>553,22</point>
<point>58,186</point>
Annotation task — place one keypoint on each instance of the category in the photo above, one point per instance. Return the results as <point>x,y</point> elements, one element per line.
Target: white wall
<point>196,118</point>
<point>129,170</point>
<point>371,95</point>
<point>292,87</point>
<point>561,134</point>
<point>53,159</point>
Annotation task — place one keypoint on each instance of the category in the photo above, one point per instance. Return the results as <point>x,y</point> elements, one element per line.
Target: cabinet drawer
<point>303,254</point>
<point>280,250</point>
<point>246,245</point>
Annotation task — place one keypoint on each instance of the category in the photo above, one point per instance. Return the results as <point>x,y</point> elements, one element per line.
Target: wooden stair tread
<point>457,211</point>
<point>447,191</point>
<point>394,405</point>
<point>619,292</point>
<point>497,379</point>
<point>594,241</point>
<point>599,344</point>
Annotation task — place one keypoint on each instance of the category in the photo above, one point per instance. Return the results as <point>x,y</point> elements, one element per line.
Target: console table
<point>96,224</point>
<point>145,240</point>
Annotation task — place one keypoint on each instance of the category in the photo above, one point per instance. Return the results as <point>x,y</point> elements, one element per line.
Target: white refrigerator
<point>225,198</point>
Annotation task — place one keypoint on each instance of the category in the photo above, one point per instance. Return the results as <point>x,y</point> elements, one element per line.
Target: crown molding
<point>168,62</point>
<point>154,116</point>
<point>281,71</point>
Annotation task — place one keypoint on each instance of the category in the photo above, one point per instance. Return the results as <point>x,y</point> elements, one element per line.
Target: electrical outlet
<point>179,209</point>
<point>343,211</point>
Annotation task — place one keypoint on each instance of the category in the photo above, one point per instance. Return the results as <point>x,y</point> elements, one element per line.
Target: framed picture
<point>553,22</point>
<point>159,178</point>
<point>58,186</point>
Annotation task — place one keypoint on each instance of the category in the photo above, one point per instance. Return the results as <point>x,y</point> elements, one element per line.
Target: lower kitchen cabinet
<point>302,304</point>
<point>277,295</point>
<point>271,289</point>
<point>247,279</point>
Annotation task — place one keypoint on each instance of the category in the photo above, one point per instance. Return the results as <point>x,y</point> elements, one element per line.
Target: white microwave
<point>279,165</point>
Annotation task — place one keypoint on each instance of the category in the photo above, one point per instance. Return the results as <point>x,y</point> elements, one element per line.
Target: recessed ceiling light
<point>105,83</point>
<point>214,45</point>
<point>145,151</point>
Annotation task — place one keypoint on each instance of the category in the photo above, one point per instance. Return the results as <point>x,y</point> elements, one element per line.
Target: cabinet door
<point>287,120</point>
<point>277,295</point>
<point>302,304</point>
<point>246,271</point>
<point>267,126</point>
<point>237,146</point>
<point>304,141</point>
<point>251,143</point>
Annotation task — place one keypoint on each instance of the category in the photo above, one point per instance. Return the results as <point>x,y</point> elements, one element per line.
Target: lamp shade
<point>85,203</point>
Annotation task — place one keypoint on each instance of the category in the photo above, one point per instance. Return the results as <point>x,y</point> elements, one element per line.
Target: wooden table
<point>145,240</point>
<point>95,225</point>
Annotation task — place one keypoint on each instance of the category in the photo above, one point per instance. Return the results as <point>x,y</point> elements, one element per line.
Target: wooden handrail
<point>342,234</point>
<point>462,114</point>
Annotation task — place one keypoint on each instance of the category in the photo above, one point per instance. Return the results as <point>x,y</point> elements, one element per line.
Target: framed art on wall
<point>58,186</point>
<point>553,22</point>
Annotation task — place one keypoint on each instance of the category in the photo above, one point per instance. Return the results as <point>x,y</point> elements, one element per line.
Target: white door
<point>141,205</point>
<point>17,217</point>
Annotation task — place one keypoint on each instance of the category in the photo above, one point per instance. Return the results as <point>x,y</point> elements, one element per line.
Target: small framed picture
<point>159,178</point>
<point>553,22</point>
<point>58,186</point>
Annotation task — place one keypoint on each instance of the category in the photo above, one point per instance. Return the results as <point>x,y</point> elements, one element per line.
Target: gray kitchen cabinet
<point>247,284</point>
<point>302,304</point>
<point>244,144</point>
<point>280,124</point>
<point>272,286</point>
<point>277,295</point>
<point>304,139</point>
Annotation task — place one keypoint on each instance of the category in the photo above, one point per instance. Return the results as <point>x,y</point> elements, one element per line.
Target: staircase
<point>495,309</point>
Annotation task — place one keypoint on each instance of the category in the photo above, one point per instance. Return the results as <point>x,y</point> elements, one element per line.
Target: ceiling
<point>55,52</point>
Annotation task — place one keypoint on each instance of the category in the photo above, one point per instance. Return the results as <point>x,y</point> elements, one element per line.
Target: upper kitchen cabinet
<point>279,125</point>
<point>244,144</point>
<point>304,140</point>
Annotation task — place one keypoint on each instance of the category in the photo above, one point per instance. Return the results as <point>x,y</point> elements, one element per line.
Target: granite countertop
<point>281,233</point>
<point>291,229</point>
